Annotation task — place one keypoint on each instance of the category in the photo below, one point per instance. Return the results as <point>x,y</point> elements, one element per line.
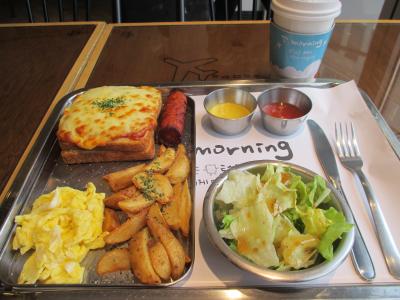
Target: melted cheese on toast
<point>101,115</point>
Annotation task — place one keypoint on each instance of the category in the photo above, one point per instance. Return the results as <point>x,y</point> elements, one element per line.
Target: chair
<point>212,9</point>
<point>60,4</point>
<point>229,7</point>
<point>217,9</point>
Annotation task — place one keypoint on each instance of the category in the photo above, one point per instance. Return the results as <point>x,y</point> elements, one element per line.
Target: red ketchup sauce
<point>283,110</point>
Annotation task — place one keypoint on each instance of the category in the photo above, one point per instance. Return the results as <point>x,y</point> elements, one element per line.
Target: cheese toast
<point>110,123</point>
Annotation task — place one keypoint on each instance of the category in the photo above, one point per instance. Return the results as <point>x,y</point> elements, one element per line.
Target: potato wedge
<point>160,261</point>
<point>180,169</point>
<point>113,261</point>
<point>185,209</point>
<point>127,229</point>
<point>122,179</point>
<point>155,214</point>
<point>162,163</point>
<point>112,201</point>
<point>161,150</point>
<point>174,249</point>
<point>140,258</point>
<point>135,205</point>
<point>111,220</point>
<point>153,186</point>
<point>187,259</point>
<point>170,210</point>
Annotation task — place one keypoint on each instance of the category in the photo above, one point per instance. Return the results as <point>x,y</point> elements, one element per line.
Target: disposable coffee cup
<point>299,36</point>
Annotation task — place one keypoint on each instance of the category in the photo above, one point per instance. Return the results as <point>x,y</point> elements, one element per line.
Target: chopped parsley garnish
<point>149,191</point>
<point>109,103</point>
<point>156,165</point>
<point>148,172</point>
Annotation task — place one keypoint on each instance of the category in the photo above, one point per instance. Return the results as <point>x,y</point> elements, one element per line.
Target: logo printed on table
<point>184,68</point>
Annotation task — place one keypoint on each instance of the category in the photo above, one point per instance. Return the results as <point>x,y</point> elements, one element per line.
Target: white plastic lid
<point>307,10</point>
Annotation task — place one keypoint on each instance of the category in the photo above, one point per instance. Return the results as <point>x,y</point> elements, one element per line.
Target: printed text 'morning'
<point>246,149</point>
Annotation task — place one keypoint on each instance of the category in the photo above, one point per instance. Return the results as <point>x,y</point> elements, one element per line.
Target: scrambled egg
<point>61,228</point>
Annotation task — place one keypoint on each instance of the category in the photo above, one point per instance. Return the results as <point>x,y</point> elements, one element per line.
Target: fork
<point>350,157</point>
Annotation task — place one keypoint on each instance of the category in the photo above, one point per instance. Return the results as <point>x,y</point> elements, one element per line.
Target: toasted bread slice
<point>90,156</point>
<point>120,144</point>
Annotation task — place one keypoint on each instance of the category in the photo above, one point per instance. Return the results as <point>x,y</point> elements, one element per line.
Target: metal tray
<point>44,170</point>
<point>21,185</point>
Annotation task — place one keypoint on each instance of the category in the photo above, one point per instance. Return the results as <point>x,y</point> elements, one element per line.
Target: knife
<point>359,254</point>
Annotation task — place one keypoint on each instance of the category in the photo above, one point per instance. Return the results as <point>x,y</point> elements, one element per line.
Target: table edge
<point>41,24</point>
<point>240,22</point>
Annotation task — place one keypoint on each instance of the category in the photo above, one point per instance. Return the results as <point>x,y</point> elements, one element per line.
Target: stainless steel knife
<point>359,254</point>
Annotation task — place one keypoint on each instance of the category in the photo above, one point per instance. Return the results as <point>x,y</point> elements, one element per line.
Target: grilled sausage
<point>173,119</point>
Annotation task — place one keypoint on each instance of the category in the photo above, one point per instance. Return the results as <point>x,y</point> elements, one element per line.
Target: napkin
<point>215,153</point>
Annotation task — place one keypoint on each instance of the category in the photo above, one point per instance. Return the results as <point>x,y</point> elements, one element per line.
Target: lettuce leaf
<point>314,194</point>
<point>241,188</point>
<point>278,199</point>
<point>268,173</point>
<point>315,221</point>
<point>233,245</point>
<point>334,231</point>
<point>278,196</point>
<point>294,217</point>
<point>282,227</point>
<point>301,191</point>
<point>294,181</point>
<point>225,232</point>
<point>227,220</point>
<point>254,234</point>
<point>298,250</point>
<point>322,191</point>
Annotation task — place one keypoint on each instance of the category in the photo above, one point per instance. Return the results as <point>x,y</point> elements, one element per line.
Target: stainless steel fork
<point>349,155</point>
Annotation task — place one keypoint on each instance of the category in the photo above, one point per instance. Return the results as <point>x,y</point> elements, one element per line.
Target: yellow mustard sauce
<point>229,110</point>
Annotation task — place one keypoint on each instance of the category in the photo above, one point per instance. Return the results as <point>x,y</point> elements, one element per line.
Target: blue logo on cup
<point>296,55</point>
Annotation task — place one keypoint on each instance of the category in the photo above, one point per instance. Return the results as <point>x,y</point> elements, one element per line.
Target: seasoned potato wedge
<point>161,150</point>
<point>123,178</point>
<point>113,261</point>
<point>174,249</point>
<point>162,163</point>
<point>153,186</point>
<point>180,169</point>
<point>112,201</point>
<point>111,220</point>
<point>160,261</point>
<point>127,229</point>
<point>140,258</point>
<point>185,209</point>
<point>170,210</point>
<point>135,205</point>
<point>155,214</point>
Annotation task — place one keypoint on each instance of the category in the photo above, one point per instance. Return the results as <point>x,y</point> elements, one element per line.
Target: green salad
<point>277,220</point>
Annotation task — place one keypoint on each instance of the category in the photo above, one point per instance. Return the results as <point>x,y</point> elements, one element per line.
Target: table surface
<point>39,59</point>
<point>35,64</point>
<point>367,52</point>
<point>364,51</point>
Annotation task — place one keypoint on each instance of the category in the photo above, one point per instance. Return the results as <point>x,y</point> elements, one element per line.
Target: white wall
<point>361,9</point>
<point>351,9</point>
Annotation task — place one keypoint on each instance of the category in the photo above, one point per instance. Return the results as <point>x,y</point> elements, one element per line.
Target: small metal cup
<point>280,126</point>
<point>232,95</point>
